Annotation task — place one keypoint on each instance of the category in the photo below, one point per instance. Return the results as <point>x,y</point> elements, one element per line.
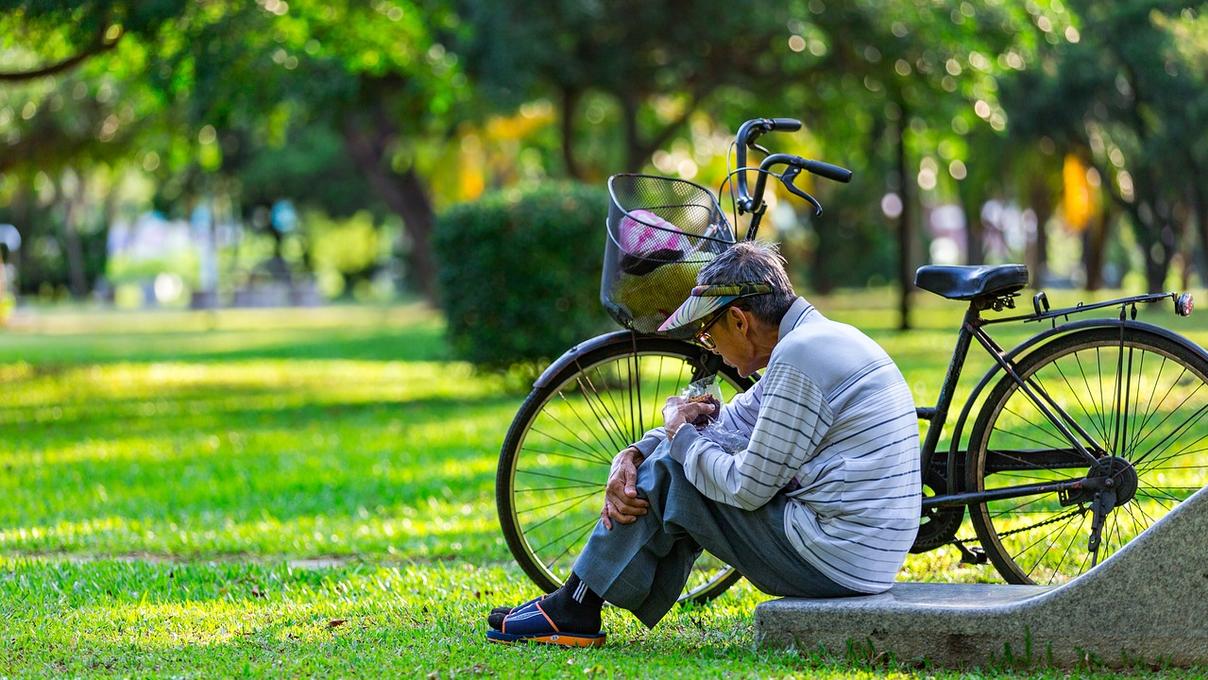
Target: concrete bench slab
<point>1146,603</point>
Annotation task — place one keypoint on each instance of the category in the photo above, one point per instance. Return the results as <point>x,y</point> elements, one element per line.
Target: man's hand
<point>678,411</point>
<point>621,500</point>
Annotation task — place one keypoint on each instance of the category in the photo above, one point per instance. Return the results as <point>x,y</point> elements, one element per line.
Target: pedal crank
<point>974,555</point>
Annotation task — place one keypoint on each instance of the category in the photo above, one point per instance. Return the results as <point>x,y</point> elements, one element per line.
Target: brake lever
<point>760,148</point>
<point>788,177</point>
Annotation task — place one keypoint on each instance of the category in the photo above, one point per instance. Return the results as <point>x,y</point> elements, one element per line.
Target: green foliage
<point>343,251</point>
<point>520,273</point>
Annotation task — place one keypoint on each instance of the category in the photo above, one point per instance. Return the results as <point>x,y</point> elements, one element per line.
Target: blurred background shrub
<point>519,273</point>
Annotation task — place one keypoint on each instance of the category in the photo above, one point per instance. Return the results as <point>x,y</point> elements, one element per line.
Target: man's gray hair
<point>754,262</point>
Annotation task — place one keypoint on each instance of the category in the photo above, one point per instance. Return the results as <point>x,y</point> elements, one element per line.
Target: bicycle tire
<point>1020,535</point>
<point>605,421</point>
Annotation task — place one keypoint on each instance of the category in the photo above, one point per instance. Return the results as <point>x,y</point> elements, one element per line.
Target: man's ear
<point>741,320</point>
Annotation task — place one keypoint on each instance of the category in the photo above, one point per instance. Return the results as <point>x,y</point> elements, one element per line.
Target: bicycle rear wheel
<point>1141,401</point>
<point>556,457</point>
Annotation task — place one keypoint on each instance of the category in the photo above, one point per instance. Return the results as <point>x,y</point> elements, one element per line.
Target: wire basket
<point>661,232</point>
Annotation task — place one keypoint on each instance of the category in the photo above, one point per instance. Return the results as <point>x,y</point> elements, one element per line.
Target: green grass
<point>209,494</point>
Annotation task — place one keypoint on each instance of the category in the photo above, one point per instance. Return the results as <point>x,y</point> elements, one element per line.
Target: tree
<point>911,76</point>
<point>378,73</point>
<point>1114,89</point>
<point>53,37</point>
<point>654,65</point>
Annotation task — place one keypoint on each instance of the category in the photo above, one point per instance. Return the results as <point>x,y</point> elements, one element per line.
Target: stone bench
<point>1146,603</point>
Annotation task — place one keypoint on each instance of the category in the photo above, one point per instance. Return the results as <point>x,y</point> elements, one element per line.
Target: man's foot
<point>569,616</point>
<point>531,623</point>
<point>495,618</point>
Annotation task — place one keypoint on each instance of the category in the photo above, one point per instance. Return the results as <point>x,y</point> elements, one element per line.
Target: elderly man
<point>824,500</point>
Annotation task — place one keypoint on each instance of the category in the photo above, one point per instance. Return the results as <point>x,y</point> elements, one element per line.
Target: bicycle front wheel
<point>549,486</point>
<point>1136,402</point>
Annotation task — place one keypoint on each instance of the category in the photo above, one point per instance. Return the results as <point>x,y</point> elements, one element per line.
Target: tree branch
<point>99,45</point>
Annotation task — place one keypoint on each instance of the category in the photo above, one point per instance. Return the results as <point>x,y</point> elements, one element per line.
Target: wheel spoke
<point>1090,397</point>
<point>1172,411</point>
<point>1155,462</point>
<point>1132,445</point>
<point>595,458</point>
<point>1058,442</point>
<point>578,500</point>
<point>571,544</point>
<point>1060,531</point>
<point>616,435</point>
<point>1098,430</point>
<point>1069,545</point>
<point>598,448</point>
<point>1191,421</point>
<point>580,482</point>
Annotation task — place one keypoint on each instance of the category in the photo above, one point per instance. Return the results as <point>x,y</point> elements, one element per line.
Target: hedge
<point>520,273</point>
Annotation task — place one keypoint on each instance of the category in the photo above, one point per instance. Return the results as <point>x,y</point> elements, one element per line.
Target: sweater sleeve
<point>650,441</point>
<point>793,418</point>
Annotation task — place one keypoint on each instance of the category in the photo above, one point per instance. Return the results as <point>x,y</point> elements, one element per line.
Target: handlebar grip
<point>786,124</point>
<point>828,171</point>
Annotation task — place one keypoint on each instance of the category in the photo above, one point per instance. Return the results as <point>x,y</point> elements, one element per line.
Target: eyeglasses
<point>704,339</point>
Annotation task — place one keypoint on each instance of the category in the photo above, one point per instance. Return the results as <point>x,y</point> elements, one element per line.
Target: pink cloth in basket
<point>640,239</point>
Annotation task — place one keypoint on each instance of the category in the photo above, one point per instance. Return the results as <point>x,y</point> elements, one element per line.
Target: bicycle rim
<point>556,459</point>
<point>1143,404</point>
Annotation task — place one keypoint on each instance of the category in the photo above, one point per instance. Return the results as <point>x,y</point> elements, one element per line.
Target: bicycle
<point>1061,451</point>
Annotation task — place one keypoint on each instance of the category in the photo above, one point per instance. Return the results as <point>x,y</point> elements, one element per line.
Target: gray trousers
<point>643,566</point>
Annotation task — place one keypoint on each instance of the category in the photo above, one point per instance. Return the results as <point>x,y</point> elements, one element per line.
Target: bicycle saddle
<point>967,283</point>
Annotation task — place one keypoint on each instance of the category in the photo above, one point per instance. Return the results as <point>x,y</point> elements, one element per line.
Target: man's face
<point>730,334</point>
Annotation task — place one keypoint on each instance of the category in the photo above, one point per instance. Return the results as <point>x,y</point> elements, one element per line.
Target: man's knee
<point>658,473</point>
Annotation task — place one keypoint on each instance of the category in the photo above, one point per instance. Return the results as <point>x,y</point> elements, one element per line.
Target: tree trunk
<point>638,149</point>
<point>971,205</point>
<point>1042,204</point>
<point>19,207</point>
<point>1155,228</point>
<point>1094,238</point>
<point>633,143</point>
<point>1156,237</point>
<point>570,103</point>
<point>905,223</point>
<point>403,193</point>
<point>1199,208</point>
<point>418,214</point>
<point>76,278</point>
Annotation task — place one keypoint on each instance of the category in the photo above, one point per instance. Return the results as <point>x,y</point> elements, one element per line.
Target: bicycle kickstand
<point>1103,503</point>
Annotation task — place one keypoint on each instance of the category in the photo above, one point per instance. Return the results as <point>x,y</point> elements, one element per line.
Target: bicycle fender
<point>570,356</point>
<point>1041,338</point>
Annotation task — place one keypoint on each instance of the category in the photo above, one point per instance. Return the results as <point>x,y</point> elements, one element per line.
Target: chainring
<point>938,525</point>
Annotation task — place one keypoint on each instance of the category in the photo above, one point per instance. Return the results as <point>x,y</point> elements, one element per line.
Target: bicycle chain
<point>1071,513</point>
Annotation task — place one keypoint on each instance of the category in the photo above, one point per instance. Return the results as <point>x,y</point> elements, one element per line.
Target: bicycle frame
<point>972,329</point>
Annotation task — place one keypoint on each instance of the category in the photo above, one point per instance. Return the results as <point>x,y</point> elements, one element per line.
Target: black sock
<point>574,607</point>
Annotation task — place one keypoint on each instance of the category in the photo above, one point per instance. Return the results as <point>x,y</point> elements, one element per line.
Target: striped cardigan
<point>833,413</point>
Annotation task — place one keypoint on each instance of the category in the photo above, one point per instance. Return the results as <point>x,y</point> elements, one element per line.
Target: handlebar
<point>827,170</point>
<point>752,130</point>
<point>747,134</point>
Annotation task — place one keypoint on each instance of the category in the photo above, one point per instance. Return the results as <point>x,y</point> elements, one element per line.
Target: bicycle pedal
<point>974,555</point>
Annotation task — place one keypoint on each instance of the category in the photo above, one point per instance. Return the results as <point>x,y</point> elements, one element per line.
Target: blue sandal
<point>530,623</point>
